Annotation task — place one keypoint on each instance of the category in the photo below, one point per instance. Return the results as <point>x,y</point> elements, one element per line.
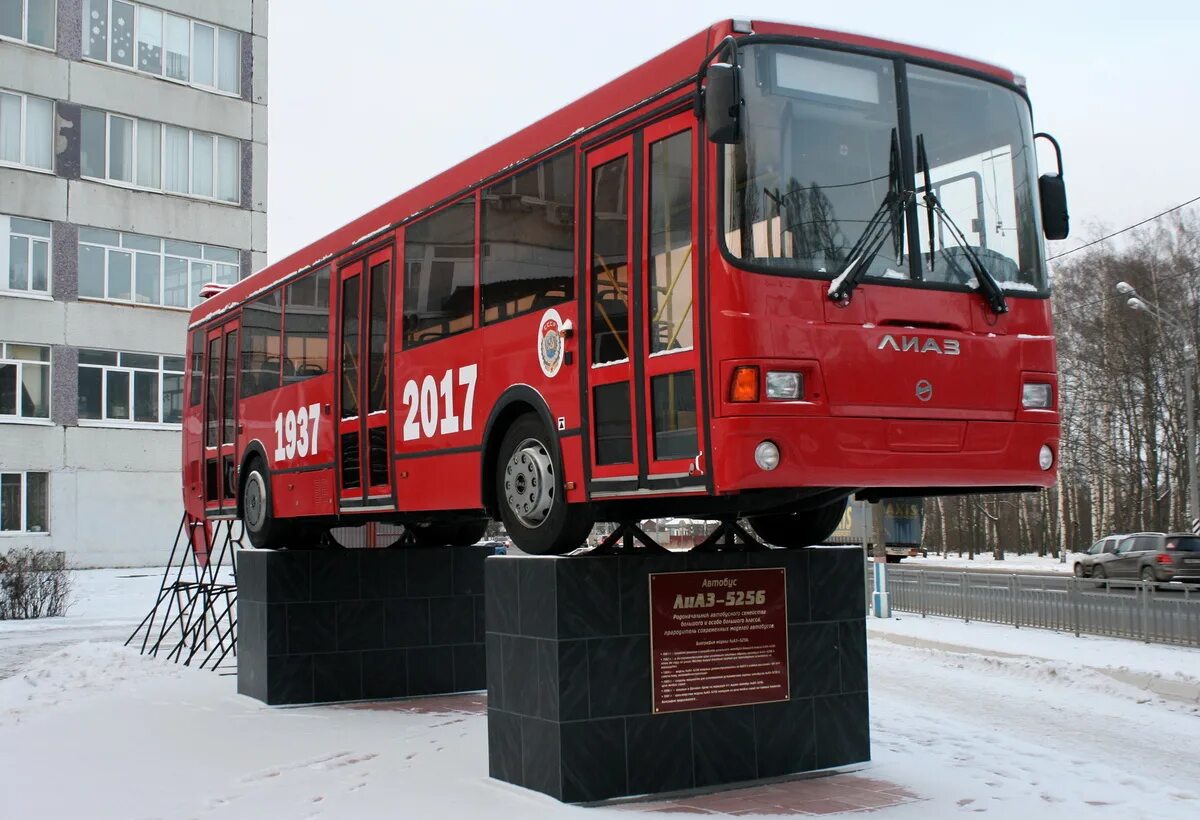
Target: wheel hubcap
<point>254,508</point>
<point>529,483</point>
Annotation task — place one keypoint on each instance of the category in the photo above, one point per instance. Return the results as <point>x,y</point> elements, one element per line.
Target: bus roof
<point>652,78</point>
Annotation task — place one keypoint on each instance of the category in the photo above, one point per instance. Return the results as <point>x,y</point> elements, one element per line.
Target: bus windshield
<point>820,158</point>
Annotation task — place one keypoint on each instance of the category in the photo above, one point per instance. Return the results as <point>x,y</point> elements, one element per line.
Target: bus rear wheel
<point>530,493</point>
<point>448,533</point>
<point>798,529</point>
<point>263,528</point>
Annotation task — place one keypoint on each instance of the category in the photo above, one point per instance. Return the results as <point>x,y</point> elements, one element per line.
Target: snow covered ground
<point>985,561</point>
<point>974,718</point>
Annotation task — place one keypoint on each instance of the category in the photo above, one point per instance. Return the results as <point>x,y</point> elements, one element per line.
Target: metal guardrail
<point>1154,613</point>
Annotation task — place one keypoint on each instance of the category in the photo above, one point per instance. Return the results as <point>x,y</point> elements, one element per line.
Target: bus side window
<point>197,375</point>
<point>527,233</point>
<point>261,365</point>
<point>306,327</point>
<point>439,274</point>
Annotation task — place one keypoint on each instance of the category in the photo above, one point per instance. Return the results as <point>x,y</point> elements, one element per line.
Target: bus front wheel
<point>795,530</point>
<point>530,494</point>
<point>263,528</point>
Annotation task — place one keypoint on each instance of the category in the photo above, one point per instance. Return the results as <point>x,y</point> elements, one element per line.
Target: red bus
<point>771,268</point>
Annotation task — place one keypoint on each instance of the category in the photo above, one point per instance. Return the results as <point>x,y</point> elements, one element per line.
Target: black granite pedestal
<point>569,678</point>
<point>323,626</point>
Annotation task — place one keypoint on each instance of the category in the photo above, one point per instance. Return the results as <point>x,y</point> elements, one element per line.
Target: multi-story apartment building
<point>133,169</point>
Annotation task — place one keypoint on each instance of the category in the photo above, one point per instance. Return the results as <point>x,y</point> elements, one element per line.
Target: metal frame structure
<point>194,618</point>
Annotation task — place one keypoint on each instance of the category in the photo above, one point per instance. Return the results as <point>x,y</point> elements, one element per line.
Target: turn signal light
<point>745,384</point>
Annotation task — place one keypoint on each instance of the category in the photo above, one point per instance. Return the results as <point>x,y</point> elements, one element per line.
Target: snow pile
<point>986,561</point>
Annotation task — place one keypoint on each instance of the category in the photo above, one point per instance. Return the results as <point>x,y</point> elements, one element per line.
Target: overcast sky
<point>369,98</point>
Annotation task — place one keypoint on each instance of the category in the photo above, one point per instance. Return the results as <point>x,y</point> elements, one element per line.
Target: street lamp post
<point>1139,303</point>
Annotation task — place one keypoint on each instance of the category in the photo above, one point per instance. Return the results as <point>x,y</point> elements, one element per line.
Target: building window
<point>24,382</point>
<point>30,21</point>
<point>159,157</point>
<point>24,255</point>
<point>26,130</point>
<point>166,45</point>
<point>24,502</point>
<point>146,270</point>
<point>130,388</point>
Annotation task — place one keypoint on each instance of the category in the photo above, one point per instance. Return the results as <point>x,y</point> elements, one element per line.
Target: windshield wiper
<point>987,283</point>
<point>887,219</point>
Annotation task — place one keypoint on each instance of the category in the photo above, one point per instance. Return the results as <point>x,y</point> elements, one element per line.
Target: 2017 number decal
<point>433,403</point>
<point>292,434</point>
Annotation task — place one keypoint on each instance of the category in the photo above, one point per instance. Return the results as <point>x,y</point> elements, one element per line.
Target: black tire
<point>1100,574</point>
<point>1078,570</point>
<point>796,530</point>
<point>448,533</point>
<point>893,559</point>
<point>1148,576</point>
<point>264,530</point>
<point>530,494</point>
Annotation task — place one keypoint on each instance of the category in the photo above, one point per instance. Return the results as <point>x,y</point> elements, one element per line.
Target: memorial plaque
<point>718,638</point>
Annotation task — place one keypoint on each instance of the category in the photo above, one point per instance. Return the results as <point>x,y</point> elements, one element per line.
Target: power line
<point>1123,230</point>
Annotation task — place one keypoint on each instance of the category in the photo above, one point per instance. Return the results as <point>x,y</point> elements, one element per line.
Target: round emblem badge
<point>550,345</point>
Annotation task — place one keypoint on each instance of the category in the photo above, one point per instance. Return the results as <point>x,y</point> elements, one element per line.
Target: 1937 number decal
<point>292,434</point>
<point>433,403</point>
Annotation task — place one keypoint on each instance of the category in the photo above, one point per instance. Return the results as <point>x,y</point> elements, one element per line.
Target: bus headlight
<point>766,455</point>
<point>1036,396</point>
<point>784,384</point>
<point>1045,457</point>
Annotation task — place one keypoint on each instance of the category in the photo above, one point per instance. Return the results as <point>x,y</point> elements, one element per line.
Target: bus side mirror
<point>1056,222</point>
<point>722,104</point>
<point>1052,190</point>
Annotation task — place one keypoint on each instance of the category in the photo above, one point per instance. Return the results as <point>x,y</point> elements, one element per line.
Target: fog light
<point>1045,457</point>
<point>783,384</point>
<point>1036,396</point>
<point>766,455</point>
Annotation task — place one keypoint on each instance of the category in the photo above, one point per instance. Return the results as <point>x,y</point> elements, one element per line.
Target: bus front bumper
<point>881,452</point>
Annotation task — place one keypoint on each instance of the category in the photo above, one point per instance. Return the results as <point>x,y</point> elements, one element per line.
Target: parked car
<point>1086,560</point>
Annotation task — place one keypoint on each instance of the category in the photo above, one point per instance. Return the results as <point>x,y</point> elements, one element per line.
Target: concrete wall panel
<point>259,124</point>
<point>108,206</point>
<point>258,190</point>
<point>121,451</point>
<point>38,196</point>
<point>140,95</point>
<point>259,94</point>
<point>124,518</point>
<point>260,17</point>
<point>136,329</point>
<point>33,72</point>
<point>32,321</point>
<point>31,447</point>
